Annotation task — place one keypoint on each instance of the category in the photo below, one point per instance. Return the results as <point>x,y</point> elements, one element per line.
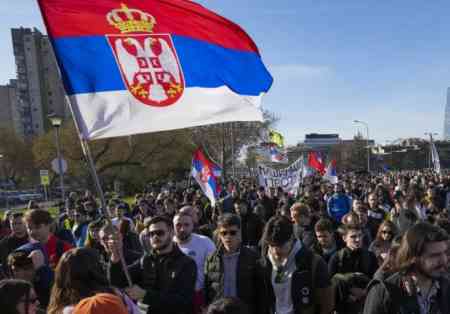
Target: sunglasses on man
<point>158,233</point>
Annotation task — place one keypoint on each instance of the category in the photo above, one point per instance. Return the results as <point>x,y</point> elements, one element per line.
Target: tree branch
<point>117,164</point>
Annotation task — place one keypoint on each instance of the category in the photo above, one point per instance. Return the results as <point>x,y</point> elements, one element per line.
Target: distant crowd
<point>372,244</point>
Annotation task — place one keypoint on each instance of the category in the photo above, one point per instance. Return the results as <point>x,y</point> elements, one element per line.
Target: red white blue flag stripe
<point>136,66</point>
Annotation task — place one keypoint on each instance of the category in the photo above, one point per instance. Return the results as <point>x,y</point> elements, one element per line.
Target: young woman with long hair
<point>78,275</point>
<point>383,240</point>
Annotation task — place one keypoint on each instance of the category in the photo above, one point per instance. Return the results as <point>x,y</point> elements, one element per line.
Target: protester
<point>382,243</point>
<point>420,284</point>
<point>387,268</point>
<point>32,268</point>
<point>17,238</point>
<point>376,214</point>
<point>79,275</point>
<point>17,297</point>
<point>300,215</point>
<point>328,242</point>
<point>233,269</point>
<point>266,202</point>
<point>38,223</point>
<point>120,211</point>
<point>338,204</point>
<point>80,226</point>
<point>290,268</point>
<point>164,279</point>
<point>112,241</point>
<point>251,225</point>
<point>129,238</point>
<point>197,247</point>
<point>360,209</point>
<point>351,267</point>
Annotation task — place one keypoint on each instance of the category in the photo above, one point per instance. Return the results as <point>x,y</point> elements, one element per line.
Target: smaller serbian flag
<point>277,154</point>
<point>206,172</point>
<point>330,173</point>
<point>315,161</point>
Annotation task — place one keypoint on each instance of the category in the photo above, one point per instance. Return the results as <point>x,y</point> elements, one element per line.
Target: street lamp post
<point>56,122</point>
<point>431,141</point>
<point>368,147</point>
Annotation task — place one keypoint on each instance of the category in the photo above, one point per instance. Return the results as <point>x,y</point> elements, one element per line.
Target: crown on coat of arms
<point>131,20</point>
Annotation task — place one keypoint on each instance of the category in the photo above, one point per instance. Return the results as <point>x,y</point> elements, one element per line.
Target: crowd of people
<point>372,244</point>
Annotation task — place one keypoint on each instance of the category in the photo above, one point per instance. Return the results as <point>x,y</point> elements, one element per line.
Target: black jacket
<point>311,274</point>
<point>249,278</point>
<point>251,228</point>
<point>358,261</point>
<point>168,279</point>
<point>8,245</point>
<point>389,297</point>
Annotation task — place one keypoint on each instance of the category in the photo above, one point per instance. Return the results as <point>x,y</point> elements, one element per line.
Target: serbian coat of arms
<point>147,61</point>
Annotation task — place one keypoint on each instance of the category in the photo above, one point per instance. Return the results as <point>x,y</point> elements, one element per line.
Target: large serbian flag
<point>135,66</point>
<point>206,172</point>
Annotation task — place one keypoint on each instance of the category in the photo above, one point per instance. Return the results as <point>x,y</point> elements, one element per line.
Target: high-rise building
<point>446,133</point>
<point>39,89</point>
<point>7,95</point>
<point>10,111</point>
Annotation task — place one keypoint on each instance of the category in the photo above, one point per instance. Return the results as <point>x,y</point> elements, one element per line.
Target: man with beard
<point>197,247</point>
<point>421,284</point>
<point>164,279</point>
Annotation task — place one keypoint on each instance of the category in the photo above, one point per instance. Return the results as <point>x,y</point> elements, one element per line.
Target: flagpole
<point>93,171</point>
<point>91,166</point>
<point>430,155</point>
<point>233,168</point>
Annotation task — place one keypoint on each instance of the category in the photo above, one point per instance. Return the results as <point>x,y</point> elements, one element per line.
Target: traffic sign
<point>45,180</point>
<point>55,165</point>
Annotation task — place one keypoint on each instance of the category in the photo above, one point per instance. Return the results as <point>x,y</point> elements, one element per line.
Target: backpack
<point>307,261</point>
<point>59,248</point>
